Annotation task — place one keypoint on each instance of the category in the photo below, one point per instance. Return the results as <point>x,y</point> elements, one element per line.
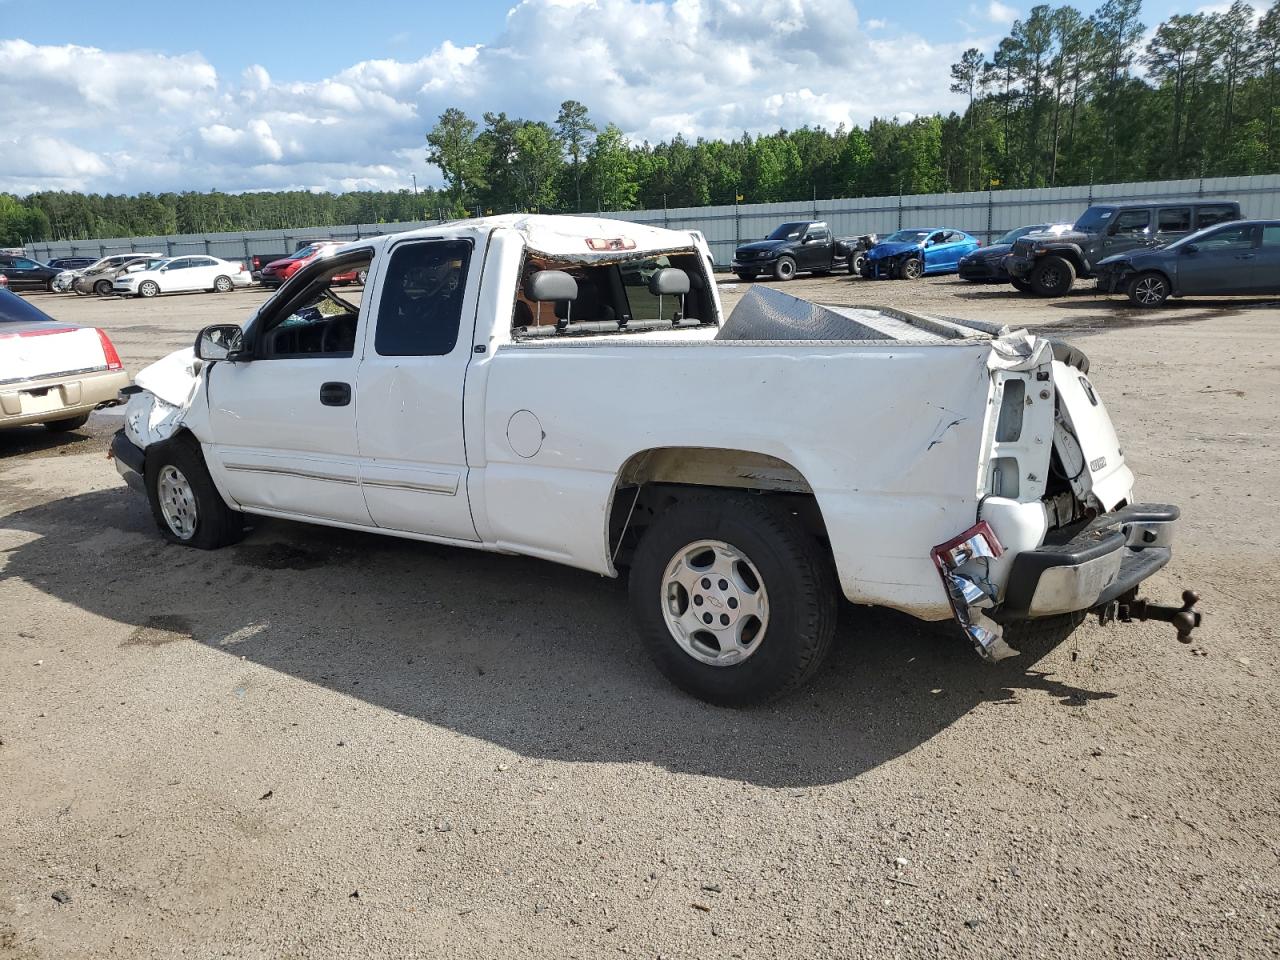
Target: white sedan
<point>183,275</point>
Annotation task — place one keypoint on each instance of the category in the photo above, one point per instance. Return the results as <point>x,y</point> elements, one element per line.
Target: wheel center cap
<point>716,601</point>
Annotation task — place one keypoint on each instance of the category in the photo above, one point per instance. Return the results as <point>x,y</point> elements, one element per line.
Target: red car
<point>278,271</point>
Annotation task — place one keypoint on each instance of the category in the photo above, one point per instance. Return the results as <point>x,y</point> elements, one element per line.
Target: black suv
<point>1049,264</point>
<point>27,274</point>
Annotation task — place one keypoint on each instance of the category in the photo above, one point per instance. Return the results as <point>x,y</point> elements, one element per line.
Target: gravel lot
<point>324,744</point>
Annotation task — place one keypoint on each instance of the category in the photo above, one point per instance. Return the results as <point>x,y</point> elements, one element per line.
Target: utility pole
<point>415,183</point>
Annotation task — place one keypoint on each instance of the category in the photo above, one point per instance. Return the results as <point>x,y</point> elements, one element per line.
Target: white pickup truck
<point>564,388</point>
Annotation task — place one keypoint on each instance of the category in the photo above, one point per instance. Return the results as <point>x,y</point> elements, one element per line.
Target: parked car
<point>910,254</point>
<point>278,271</point>
<point>66,279</point>
<point>70,263</point>
<point>4,281</point>
<point>27,274</point>
<point>100,279</point>
<point>803,246</point>
<point>1049,266</point>
<point>183,275</point>
<point>986,264</point>
<point>486,428</point>
<point>51,372</point>
<point>1242,257</point>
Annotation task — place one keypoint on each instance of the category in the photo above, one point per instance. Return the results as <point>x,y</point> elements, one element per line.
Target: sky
<point>339,96</point>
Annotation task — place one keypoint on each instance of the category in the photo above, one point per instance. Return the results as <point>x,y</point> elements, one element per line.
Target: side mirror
<point>164,269</point>
<point>1190,248</point>
<point>222,341</point>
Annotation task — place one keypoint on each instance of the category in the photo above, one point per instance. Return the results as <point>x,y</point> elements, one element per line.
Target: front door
<point>283,423</point>
<point>1223,262</point>
<point>413,462</point>
<point>1130,229</point>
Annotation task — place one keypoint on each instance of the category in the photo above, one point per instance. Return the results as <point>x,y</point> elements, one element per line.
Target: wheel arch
<point>650,480</point>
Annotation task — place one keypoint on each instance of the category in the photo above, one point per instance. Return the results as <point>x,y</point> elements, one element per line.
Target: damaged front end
<point>155,407</point>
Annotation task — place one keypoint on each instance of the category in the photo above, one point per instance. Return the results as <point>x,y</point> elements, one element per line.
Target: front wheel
<point>148,289</point>
<point>856,263</point>
<point>1020,285</point>
<point>912,268</point>
<point>734,599</point>
<point>222,285</point>
<point>184,502</point>
<point>1053,277</point>
<point>1149,290</point>
<point>785,268</point>
<point>102,288</point>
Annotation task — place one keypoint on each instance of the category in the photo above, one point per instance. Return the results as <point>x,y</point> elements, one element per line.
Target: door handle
<point>335,394</point>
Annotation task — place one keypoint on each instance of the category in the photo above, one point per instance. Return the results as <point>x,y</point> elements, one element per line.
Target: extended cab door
<point>413,464</point>
<point>283,421</point>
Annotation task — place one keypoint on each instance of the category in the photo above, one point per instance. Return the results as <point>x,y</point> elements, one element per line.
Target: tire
<point>1053,277</point>
<point>103,288</point>
<point>48,285</point>
<point>223,285</point>
<point>193,513</point>
<point>912,268</point>
<point>75,288</point>
<point>362,277</point>
<point>66,426</point>
<point>1020,285</point>
<point>1044,633</point>
<point>856,260</point>
<point>746,277</point>
<point>782,645</point>
<point>784,269</point>
<point>148,289</point>
<point>1149,289</point>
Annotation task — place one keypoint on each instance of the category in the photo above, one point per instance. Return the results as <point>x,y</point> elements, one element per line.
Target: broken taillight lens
<point>109,351</point>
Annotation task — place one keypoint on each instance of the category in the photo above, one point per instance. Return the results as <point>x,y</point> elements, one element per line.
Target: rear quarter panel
<point>889,437</point>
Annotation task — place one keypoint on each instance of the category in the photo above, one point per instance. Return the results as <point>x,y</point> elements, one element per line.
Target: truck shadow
<point>532,657</point>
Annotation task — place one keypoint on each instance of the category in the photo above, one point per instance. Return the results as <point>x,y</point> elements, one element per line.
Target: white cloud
<point>131,120</point>
<point>999,13</point>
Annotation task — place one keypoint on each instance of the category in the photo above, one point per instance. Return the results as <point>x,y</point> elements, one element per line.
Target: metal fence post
<point>990,207</point>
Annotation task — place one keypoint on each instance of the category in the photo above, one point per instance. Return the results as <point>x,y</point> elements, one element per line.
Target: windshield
<point>1094,219</point>
<point>1015,234</point>
<point>788,231</point>
<point>906,236</point>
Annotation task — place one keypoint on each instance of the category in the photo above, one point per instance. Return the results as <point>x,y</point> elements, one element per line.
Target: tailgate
<point>1086,442</point>
<point>41,352</point>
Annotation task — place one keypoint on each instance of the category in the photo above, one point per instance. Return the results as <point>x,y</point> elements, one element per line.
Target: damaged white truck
<point>565,388</point>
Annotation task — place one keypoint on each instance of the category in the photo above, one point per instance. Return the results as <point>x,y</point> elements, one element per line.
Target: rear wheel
<point>184,502</point>
<point>734,599</point>
<point>1053,277</point>
<point>148,288</point>
<point>1149,290</point>
<point>65,426</point>
<point>223,285</point>
<point>912,268</point>
<point>785,268</point>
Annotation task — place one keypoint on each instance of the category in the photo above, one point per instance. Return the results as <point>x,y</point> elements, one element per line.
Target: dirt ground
<point>324,744</point>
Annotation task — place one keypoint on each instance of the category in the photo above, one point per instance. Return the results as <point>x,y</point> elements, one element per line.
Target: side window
<point>421,306</point>
<point>22,264</point>
<point>317,320</point>
<point>1174,220</point>
<point>1132,221</point>
<point>1228,238</point>
<point>1271,236</point>
<point>1211,213</point>
<point>820,234</point>
<point>180,264</point>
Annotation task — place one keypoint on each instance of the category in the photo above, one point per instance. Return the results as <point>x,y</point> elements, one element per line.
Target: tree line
<point>1064,99</point>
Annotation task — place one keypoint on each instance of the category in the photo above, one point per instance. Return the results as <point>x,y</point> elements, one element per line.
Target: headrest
<point>667,281</point>
<point>548,285</point>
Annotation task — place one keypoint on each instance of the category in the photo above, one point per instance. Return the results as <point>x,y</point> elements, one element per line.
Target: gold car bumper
<point>62,397</point>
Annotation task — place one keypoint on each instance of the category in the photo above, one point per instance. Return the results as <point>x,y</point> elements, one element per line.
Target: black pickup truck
<point>804,246</point>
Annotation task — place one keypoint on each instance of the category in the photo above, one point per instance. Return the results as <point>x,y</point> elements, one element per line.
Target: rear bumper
<point>58,398</point>
<point>1105,560</point>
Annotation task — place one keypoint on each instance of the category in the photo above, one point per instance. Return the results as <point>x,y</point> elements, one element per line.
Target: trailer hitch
<point>1130,607</point>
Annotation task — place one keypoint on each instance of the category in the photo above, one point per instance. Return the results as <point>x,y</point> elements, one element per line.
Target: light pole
<point>415,183</point>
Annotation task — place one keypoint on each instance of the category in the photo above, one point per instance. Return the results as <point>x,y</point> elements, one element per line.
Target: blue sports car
<point>910,254</point>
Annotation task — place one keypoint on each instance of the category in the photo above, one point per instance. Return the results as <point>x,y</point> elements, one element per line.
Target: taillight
<point>240,268</point>
<point>109,351</point>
